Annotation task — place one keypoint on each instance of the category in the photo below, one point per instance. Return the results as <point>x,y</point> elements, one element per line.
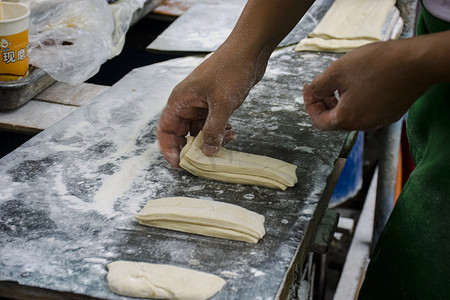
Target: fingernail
<point>229,136</point>
<point>209,150</point>
<point>173,159</point>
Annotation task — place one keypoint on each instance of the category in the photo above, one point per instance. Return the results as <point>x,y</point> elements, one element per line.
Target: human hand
<point>205,100</point>
<point>376,84</point>
<point>209,95</point>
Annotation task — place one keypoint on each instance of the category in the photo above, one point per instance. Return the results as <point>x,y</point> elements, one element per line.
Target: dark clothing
<point>412,257</point>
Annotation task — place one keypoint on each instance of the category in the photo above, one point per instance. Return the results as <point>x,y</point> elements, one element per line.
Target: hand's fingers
<point>320,101</point>
<point>196,126</point>
<point>216,123</point>
<point>229,136</point>
<point>171,132</point>
<point>326,120</point>
<point>169,147</point>
<point>326,83</point>
<point>330,102</point>
<point>322,111</point>
<point>177,119</point>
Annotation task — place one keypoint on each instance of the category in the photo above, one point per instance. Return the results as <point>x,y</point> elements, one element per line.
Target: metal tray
<point>18,92</point>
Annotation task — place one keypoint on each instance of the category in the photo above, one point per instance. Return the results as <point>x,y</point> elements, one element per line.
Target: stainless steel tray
<point>18,92</point>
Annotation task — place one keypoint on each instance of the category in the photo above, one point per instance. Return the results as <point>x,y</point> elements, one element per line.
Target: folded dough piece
<point>237,167</point>
<point>145,280</point>
<point>330,45</point>
<point>349,24</point>
<point>205,217</point>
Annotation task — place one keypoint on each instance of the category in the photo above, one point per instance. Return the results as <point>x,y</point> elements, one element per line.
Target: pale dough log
<point>350,24</point>
<point>389,25</point>
<point>354,19</point>
<point>330,45</point>
<point>237,167</point>
<point>145,280</point>
<point>205,217</point>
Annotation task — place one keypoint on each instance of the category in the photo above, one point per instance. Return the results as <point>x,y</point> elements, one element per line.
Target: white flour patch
<point>72,201</point>
<point>229,274</point>
<point>272,128</point>
<point>308,211</point>
<point>305,149</point>
<point>63,148</point>
<point>285,57</point>
<point>195,188</point>
<point>249,196</point>
<point>279,108</point>
<point>7,193</point>
<point>304,124</point>
<point>309,56</point>
<point>299,100</point>
<point>115,185</point>
<point>257,273</point>
<point>194,262</point>
<point>94,260</point>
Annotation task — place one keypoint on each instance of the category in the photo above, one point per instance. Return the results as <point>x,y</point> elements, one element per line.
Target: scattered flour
<point>309,56</point>
<point>231,274</point>
<point>118,183</point>
<point>279,108</point>
<point>299,100</point>
<point>305,149</point>
<point>249,196</point>
<point>256,272</point>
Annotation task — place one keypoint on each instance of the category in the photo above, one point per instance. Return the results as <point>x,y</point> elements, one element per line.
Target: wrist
<point>245,56</point>
<point>433,56</point>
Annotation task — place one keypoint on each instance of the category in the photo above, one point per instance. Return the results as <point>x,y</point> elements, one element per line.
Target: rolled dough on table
<point>205,217</point>
<point>237,167</point>
<point>349,24</point>
<point>145,280</point>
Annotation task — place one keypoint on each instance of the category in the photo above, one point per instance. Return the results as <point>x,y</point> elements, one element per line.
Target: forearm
<point>433,56</point>
<point>262,26</point>
<point>207,97</point>
<point>377,83</point>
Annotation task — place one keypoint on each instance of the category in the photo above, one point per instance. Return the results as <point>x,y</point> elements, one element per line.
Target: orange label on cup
<point>14,56</point>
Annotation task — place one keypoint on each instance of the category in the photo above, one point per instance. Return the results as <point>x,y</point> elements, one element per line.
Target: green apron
<point>412,257</point>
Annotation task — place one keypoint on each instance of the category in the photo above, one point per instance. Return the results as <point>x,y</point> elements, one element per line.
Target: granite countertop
<point>68,195</point>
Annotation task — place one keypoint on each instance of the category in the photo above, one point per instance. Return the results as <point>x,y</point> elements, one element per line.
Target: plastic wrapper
<point>123,12</point>
<point>71,39</point>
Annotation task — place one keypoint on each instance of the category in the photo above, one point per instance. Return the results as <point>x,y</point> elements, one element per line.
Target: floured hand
<point>376,83</point>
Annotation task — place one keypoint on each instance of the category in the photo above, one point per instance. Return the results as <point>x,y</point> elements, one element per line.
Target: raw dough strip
<point>204,217</point>
<point>145,280</point>
<point>350,24</point>
<point>389,26</point>
<point>354,19</point>
<point>330,45</point>
<point>237,167</point>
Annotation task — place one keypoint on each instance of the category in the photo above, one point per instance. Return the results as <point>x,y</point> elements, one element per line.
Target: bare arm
<point>377,83</point>
<point>209,95</point>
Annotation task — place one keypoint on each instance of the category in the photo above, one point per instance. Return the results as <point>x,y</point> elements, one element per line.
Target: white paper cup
<point>14,41</point>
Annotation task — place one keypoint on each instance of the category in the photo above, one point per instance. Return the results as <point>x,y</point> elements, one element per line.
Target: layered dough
<point>236,167</point>
<point>205,217</point>
<point>145,280</point>
<point>349,24</point>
